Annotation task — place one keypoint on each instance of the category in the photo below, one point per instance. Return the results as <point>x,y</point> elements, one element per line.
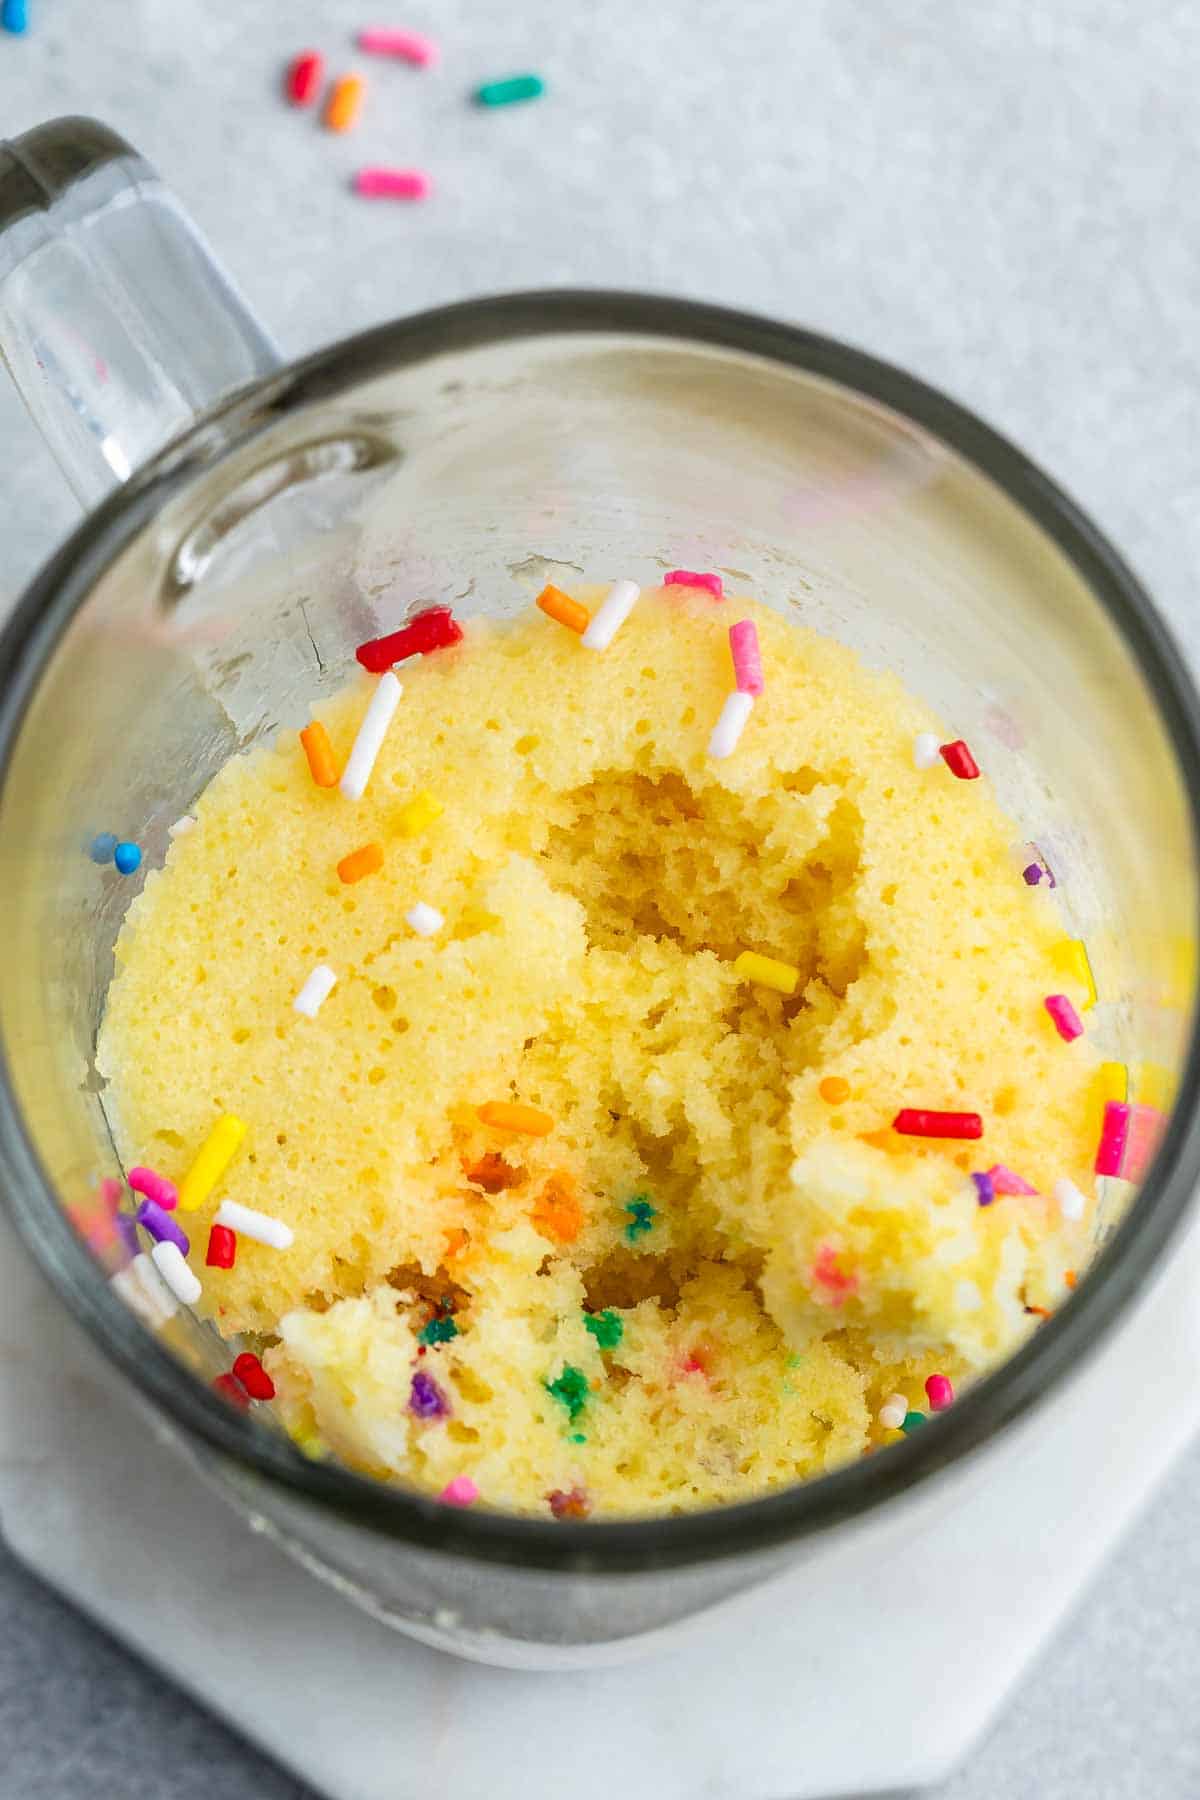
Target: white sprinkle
<point>316,991</point>
<point>172,1266</point>
<point>1071,1203</point>
<point>610,615</point>
<point>257,1225</point>
<point>371,734</point>
<point>925,750</point>
<point>425,920</point>
<point>731,724</point>
<point>143,1291</point>
<point>967,1297</point>
<point>181,827</point>
<point>893,1412</point>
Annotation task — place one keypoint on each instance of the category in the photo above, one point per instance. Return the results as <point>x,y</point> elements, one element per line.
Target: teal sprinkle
<point>641,1217</point>
<point>913,1419</point>
<point>571,1388</point>
<point>607,1327</point>
<point>504,93</point>
<point>438,1331</point>
<point>577,1437</point>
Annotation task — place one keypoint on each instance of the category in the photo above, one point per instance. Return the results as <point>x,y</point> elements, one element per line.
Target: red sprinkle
<point>570,1503</point>
<point>231,1387</point>
<point>828,1275</point>
<point>959,761</point>
<point>254,1378</point>
<point>432,629</point>
<point>304,78</point>
<point>914,1121</point>
<point>940,1391</point>
<point>222,1248</point>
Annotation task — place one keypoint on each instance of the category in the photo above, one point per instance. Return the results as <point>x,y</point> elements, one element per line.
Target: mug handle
<point>116,322</point>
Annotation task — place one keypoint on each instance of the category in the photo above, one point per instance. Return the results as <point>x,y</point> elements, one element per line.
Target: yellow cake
<point>702,1280</point>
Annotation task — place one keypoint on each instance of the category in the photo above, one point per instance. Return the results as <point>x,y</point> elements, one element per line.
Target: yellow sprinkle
<point>212,1160</point>
<point>1155,1086</point>
<point>766,972</point>
<point>1110,1082</point>
<point>1071,959</point>
<point>419,814</point>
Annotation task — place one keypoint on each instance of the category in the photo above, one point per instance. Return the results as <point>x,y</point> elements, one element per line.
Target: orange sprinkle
<point>345,102</point>
<point>557,605</point>
<point>557,1212</point>
<point>367,861</point>
<point>493,1174</point>
<point>510,1115</point>
<point>457,1240</point>
<point>1043,1312</point>
<point>834,1089</point>
<point>319,752</point>
<point>1070,1277</point>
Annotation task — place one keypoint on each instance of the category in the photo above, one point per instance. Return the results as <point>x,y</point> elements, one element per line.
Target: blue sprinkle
<point>127,857</point>
<point>102,847</point>
<point>14,17</point>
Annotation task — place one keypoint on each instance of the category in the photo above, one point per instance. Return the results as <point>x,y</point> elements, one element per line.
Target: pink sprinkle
<point>827,1274</point>
<point>689,578</point>
<point>1146,1125</point>
<point>1004,1181</point>
<point>380,40</point>
<point>1113,1134</point>
<point>459,1492</point>
<point>1067,1021</point>
<point>164,1193</point>
<point>940,1391</point>
<point>747,663</point>
<point>109,1194</point>
<point>392,184</point>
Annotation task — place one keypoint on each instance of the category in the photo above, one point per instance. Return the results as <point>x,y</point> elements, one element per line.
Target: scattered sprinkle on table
<point>925,750</point>
<point>345,103</point>
<point>379,183</point>
<point>360,863</point>
<point>435,628</point>
<point>316,991</point>
<point>154,1187</point>
<point>222,1248</point>
<point>610,615</point>
<point>765,971</point>
<point>893,1412</point>
<point>570,1389</point>
<point>161,1226</point>
<point>254,1378</point>
<point>213,1158</point>
<point>418,814</point>
<point>424,919</point>
<point>959,761</point>
<point>607,1327</point>
<point>14,16</point>
<point>727,732</point>
<point>1110,1152</point>
<point>641,1217</point>
<point>409,46</point>
<point>563,609</point>
<point>103,847</point>
<point>371,733</point>
<point>459,1492</point>
<point>1070,1201</point>
<point>168,1260</point>
<point>1067,1022</point>
<point>510,90</point>
<point>304,77</point>
<point>322,764</point>
<point>747,658</point>
<point>263,1227</point>
<point>127,858</point>
<point>512,1115</point>
<point>941,1392</point>
<point>691,578</point>
<point>917,1121</point>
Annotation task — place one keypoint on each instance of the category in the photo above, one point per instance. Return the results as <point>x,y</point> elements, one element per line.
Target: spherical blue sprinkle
<point>127,857</point>
<point>103,846</point>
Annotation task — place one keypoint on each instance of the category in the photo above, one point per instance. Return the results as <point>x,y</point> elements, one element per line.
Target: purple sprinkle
<point>161,1225</point>
<point>1033,874</point>
<point>427,1400</point>
<point>985,1187</point>
<point>127,1232</point>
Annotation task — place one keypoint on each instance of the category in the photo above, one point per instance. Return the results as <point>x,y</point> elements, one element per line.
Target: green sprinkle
<point>577,1437</point>
<point>641,1217</point>
<point>571,1388</point>
<point>607,1327</point>
<point>913,1419</point>
<point>438,1331</point>
<point>503,93</point>
<point>793,1362</point>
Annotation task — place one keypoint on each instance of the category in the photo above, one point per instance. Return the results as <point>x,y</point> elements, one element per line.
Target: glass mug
<point>247,517</point>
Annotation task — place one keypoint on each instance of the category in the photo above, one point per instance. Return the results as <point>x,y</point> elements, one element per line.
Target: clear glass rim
<point>1060,1344</point>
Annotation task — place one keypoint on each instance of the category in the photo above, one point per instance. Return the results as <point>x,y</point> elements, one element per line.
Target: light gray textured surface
<point>997,196</point>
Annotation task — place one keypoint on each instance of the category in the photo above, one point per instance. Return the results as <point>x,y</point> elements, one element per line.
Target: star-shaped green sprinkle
<point>607,1327</point>
<point>641,1217</point>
